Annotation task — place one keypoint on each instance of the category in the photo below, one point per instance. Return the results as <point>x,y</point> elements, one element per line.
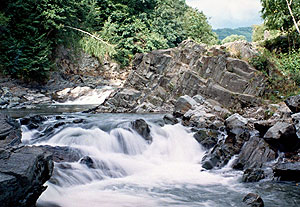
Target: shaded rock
<point>253,200</point>
<point>220,155</point>
<point>289,171</point>
<point>33,122</point>
<point>63,154</point>
<point>263,126</point>
<point>88,161</point>
<point>293,103</point>
<point>253,175</point>
<point>254,154</point>
<point>207,138</point>
<point>22,176</point>
<point>296,120</point>
<point>236,121</point>
<point>10,133</point>
<point>183,104</point>
<point>142,128</point>
<point>170,119</point>
<point>282,136</point>
<point>199,99</point>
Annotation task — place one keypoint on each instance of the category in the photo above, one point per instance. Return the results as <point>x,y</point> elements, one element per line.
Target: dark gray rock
<point>170,119</point>
<point>88,161</point>
<point>254,154</point>
<point>207,138</point>
<point>142,128</point>
<point>282,136</point>
<point>296,120</point>
<point>63,154</point>
<point>33,122</point>
<point>253,200</point>
<point>22,175</point>
<point>263,126</point>
<point>253,175</point>
<point>220,155</point>
<point>288,171</point>
<point>10,133</point>
<point>293,103</point>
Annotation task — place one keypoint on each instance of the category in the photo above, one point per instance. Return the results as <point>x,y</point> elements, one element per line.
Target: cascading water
<point>119,168</point>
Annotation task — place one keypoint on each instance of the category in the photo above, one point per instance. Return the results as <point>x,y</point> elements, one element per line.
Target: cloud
<point>229,13</point>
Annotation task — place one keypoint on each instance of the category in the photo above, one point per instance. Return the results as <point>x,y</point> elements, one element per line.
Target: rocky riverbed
<point>207,90</point>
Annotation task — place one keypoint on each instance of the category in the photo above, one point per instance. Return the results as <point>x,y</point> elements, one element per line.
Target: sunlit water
<point>130,172</point>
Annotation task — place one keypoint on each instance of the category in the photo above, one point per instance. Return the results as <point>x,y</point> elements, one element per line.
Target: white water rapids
<point>129,172</point>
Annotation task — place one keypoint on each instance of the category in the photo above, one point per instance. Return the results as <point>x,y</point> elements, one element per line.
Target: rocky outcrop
<point>287,171</point>
<point>23,169</point>
<point>191,69</point>
<point>241,49</point>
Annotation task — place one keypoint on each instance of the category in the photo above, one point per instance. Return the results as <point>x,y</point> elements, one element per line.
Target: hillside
<point>223,33</point>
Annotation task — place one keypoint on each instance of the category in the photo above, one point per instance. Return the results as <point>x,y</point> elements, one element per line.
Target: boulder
<point>263,126</point>
<point>254,154</point>
<point>62,154</point>
<point>23,171</point>
<point>287,171</point>
<point>88,161</point>
<point>293,103</point>
<point>142,128</point>
<point>235,121</point>
<point>282,136</point>
<point>183,104</point>
<point>253,200</point>
<point>33,122</point>
<point>10,133</point>
<point>170,119</point>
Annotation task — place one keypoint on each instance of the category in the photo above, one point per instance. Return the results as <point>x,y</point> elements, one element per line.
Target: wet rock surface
<point>142,128</point>
<point>293,103</point>
<point>253,200</point>
<point>23,169</point>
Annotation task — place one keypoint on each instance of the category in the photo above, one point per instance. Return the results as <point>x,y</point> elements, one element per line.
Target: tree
<point>197,28</point>
<point>281,14</point>
<point>233,38</point>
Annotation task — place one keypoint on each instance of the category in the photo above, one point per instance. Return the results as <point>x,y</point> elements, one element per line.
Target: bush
<point>289,64</point>
<point>260,62</point>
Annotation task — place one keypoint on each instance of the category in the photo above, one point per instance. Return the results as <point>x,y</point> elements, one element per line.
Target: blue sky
<point>229,13</point>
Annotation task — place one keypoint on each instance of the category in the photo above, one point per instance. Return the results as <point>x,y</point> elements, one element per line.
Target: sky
<point>229,13</point>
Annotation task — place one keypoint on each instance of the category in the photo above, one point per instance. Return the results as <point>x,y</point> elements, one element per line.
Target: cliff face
<point>161,76</point>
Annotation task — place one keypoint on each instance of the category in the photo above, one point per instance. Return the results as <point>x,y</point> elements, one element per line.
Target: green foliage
<point>260,62</point>
<point>225,32</point>
<point>289,64</point>
<point>31,30</point>
<point>233,38</point>
<point>197,28</point>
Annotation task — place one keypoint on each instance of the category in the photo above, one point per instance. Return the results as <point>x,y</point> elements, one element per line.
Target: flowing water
<point>128,171</point>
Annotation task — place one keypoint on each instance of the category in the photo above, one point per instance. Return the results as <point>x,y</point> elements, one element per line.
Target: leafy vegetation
<point>233,38</point>
<point>225,32</point>
<point>31,30</point>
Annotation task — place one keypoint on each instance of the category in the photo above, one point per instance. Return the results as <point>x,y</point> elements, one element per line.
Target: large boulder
<point>254,154</point>
<point>241,49</point>
<point>293,103</point>
<point>253,200</point>
<point>236,121</point>
<point>23,171</point>
<point>282,136</point>
<point>142,128</point>
<point>207,138</point>
<point>287,171</point>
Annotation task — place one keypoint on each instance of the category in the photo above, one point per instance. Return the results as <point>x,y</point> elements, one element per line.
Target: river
<point>125,170</point>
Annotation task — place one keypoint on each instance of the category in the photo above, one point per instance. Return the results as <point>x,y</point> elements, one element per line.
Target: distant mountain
<point>223,33</point>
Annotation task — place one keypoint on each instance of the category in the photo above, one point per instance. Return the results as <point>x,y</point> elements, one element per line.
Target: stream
<point>119,168</point>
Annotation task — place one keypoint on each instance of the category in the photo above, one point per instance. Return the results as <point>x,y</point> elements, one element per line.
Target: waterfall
<point>118,167</point>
